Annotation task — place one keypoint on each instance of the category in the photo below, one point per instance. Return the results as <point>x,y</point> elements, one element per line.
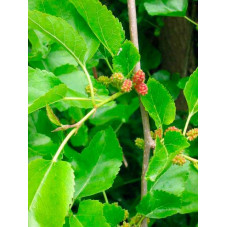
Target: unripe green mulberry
<point>105,80</point>
<point>117,80</point>
<point>139,142</point>
<point>88,90</point>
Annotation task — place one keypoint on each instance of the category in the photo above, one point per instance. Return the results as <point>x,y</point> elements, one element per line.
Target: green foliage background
<point>55,74</point>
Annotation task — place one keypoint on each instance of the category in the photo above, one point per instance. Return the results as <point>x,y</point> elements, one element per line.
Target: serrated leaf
<point>191,93</point>
<point>113,214</point>
<point>98,164</point>
<point>90,213</point>
<point>52,117</point>
<point>159,204</point>
<point>43,88</point>
<point>61,32</point>
<point>159,103</point>
<point>173,180</point>
<point>50,192</point>
<point>104,25</point>
<point>166,7</point>
<point>174,143</point>
<point>126,59</point>
<point>67,11</point>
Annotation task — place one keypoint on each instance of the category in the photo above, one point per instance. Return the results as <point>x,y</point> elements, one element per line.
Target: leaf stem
<point>108,63</point>
<point>90,83</point>
<point>63,144</point>
<point>193,160</point>
<point>105,197</point>
<point>187,123</point>
<point>80,99</point>
<point>190,20</point>
<point>78,124</point>
<point>111,98</point>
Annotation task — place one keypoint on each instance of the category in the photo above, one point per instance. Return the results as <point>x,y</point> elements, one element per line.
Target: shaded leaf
<point>106,114</point>
<point>159,103</point>
<point>51,187</point>
<point>114,214</point>
<point>104,25</point>
<point>191,93</point>
<point>166,7</point>
<point>90,213</point>
<point>126,59</point>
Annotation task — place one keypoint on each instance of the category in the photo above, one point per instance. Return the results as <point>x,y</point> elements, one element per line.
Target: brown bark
<point>177,48</point>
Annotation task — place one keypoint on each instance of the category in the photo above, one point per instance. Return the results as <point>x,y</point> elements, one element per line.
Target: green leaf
<point>164,78</point>
<point>98,164</point>
<point>190,194</point>
<point>107,114</point>
<point>182,82</point>
<point>40,45</point>
<point>50,192</point>
<point>59,58</point>
<point>43,88</point>
<point>173,180</point>
<point>67,11</point>
<point>114,214</point>
<point>191,93</point>
<point>166,7</point>
<point>104,25</point>
<point>40,145</point>
<point>159,204</point>
<point>174,143</point>
<point>159,103</point>
<point>90,213</point>
<point>126,59</point>
<point>52,117</point>
<point>61,32</point>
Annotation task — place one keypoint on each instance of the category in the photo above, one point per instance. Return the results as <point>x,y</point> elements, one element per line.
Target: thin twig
<point>95,72</point>
<point>149,142</point>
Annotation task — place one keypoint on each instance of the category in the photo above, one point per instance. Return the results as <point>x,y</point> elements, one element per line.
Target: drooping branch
<point>149,142</point>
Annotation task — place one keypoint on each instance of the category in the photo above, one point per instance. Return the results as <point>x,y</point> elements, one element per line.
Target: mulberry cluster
<point>192,134</point>
<point>158,133</point>
<point>173,128</point>
<point>138,80</point>
<point>139,142</point>
<point>179,160</point>
<point>126,86</point>
<point>88,90</point>
<point>105,80</point>
<point>117,80</point>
